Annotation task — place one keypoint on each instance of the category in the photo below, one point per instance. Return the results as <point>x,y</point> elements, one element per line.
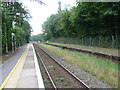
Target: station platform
<point>25,73</point>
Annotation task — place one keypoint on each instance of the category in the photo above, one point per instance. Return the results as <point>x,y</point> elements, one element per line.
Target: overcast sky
<point>40,13</point>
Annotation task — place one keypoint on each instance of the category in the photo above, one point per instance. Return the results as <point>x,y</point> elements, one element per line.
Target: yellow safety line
<point>8,77</point>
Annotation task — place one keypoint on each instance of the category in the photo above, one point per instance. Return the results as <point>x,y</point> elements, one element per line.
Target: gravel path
<point>87,78</point>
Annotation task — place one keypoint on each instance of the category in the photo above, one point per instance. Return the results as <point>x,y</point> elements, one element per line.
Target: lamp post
<point>13,42</point>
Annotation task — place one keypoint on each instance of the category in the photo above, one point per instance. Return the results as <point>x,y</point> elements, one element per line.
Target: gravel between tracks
<point>87,78</point>
<point>45,77</point>
<point>60,77</point>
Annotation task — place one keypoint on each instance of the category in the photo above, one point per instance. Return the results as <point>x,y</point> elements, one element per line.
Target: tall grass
<point>91,48</point>
<point>105,70</point>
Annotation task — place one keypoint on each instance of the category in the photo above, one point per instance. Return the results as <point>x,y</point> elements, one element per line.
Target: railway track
<point>101,55</point>
<point>59,76</point>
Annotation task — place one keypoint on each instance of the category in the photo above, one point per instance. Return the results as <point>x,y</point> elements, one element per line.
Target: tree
<point>14,20</point>
<point>85,20</point>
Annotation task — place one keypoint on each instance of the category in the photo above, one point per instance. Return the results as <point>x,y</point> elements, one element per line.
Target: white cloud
<point>40,13</point>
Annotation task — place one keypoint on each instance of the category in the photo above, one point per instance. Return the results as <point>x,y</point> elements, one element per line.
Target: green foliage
<point>85,20</point>
<point>39,37</point>
<point>99,41</point>
<point>93,65</point>
<point>14,20</point>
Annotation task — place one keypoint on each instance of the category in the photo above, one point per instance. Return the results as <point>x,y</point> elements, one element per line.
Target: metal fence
<point>100,41</point>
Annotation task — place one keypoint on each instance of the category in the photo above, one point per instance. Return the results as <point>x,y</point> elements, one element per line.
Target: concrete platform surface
<point>27,73</point>
<point>6,68</point>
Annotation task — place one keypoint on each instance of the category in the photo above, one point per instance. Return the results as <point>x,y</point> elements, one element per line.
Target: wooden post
<point>90,42</point>
<point>6,44</point>
<point>112,41</point>
<point>82,41</point>
<point>99,41</point>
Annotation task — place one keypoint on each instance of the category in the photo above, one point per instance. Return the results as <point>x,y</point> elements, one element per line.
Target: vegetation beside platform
<point>86,23</point>
<point>105,70</point>
<point>90,48</point>
<point>16,29</point>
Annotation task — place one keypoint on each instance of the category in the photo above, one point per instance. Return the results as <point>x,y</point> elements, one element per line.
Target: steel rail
<point>46,70</point>
<point>85,85</point>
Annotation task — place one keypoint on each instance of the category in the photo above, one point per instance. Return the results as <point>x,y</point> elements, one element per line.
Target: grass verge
<point>91,48</point>
<point>105,70</point>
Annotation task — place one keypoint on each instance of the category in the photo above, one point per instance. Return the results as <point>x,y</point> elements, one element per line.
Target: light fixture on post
<point>13,42</point>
